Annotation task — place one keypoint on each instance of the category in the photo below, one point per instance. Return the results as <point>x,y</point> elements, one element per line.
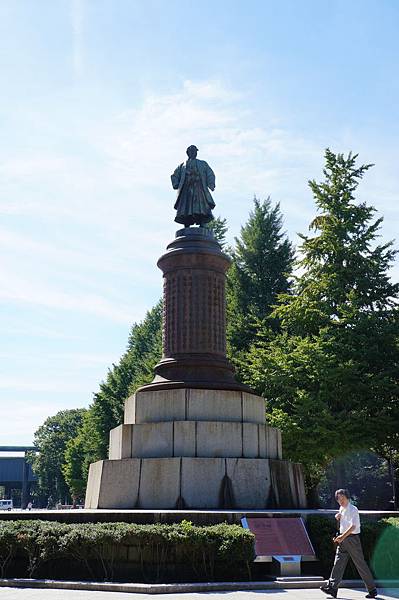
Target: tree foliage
<point>134,369</point>
<point>331,374</point>
<point>367,477</point>
<point>219,228</point>
<point>51,439</point>
<point>262,263</point>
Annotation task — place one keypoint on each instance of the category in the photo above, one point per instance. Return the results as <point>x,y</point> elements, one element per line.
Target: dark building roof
<point>17,448</point>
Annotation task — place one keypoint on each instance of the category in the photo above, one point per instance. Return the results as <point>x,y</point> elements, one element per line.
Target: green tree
<point>73,466</point>
<point>262,264</point>
<point>51,440</point>
<point>389,450</point>
<point>367,477</point>
<point>331,374</point>
<point>134,369</point>
<point>219,228</point>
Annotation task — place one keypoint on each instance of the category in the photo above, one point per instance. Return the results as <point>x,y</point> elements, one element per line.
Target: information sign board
<point>285,536</point>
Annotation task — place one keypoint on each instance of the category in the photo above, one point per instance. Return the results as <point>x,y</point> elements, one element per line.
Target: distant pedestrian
<point>348,545</point>
<point>29,505</point>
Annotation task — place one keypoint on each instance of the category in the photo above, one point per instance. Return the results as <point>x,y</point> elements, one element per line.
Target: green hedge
<point>180,552</point>
<point>380,541</point>
<point>148,552</point>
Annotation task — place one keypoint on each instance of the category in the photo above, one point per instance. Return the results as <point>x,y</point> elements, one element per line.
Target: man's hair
<point>342,492</point>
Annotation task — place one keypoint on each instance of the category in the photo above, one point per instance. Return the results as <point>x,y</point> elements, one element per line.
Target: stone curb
<point>174,588</point>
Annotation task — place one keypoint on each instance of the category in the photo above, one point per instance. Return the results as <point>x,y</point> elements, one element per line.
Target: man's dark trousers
<point>350,547</point>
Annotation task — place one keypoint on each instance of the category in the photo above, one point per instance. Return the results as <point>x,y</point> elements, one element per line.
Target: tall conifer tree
<point>331,376</point>
<point>262,264</point>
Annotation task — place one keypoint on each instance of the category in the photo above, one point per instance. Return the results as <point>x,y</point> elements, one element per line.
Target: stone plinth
<point>195,448</point>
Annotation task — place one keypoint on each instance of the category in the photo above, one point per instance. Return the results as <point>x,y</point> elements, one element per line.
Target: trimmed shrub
<point>147,552</point>
<point>8,545</point>
<point>39,542</point>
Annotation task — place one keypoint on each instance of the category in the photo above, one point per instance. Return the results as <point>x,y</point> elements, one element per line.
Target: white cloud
<point>142,147</point>
<point>124,191</point>
<point>31,166</point>
<point>28,290</point>
<point>21,418</point>
<point>76,359</point>
<point>120,186</point>
<point>35,331</point>
<point>37,385</point>
<point>84,253</point>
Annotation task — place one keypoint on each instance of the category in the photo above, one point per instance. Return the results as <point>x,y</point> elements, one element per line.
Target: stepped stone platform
<point>194,423</point>
<point>206,449</point>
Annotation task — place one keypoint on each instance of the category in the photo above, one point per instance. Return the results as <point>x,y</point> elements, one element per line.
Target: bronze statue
<point>191,180</point>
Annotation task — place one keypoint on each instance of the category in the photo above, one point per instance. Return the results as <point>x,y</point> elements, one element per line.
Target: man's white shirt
<point>349,517</point>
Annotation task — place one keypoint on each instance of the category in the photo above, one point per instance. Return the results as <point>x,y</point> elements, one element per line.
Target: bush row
<point>179,552</point>
<point>148,552</point>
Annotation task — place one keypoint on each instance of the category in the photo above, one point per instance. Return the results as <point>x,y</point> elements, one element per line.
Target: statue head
<point>192,151</point>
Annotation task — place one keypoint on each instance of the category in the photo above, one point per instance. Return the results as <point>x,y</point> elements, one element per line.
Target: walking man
<point>348,545</point>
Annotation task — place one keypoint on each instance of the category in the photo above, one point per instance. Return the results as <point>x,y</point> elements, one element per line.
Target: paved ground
<point>41,594</point>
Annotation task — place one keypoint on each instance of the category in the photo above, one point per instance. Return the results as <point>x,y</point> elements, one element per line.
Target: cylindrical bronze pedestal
<point>194,327</point>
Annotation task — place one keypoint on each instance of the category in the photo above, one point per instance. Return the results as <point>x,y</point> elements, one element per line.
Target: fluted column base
<point>196,371</point>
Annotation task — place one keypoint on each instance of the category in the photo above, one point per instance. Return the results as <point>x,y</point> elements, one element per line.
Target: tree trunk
<point>391,470</point>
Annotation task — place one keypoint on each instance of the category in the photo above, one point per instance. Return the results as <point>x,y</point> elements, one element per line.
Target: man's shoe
<point>327,589</point>
<point>372,594</point>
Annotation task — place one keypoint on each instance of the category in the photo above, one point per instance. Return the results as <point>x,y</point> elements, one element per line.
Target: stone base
<point>203,483</point>
<point>195,448</point>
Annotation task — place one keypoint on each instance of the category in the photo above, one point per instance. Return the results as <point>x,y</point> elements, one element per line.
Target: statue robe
<point>194,203</point>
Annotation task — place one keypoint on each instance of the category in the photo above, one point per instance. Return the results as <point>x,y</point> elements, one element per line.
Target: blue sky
<point>100,98</point>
